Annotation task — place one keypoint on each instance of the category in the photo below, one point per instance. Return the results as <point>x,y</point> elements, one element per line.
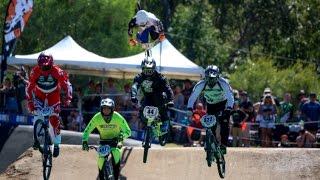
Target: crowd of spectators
<point>267,123</point>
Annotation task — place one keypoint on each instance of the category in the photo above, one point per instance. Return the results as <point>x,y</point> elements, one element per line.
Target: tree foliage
<point>254,76</point>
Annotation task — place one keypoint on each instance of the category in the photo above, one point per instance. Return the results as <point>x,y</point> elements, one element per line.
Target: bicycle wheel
<point>221,163</point>
<point>108,169</point>
<point>39,134</point>
<point>46,156</point>
<point>208,147</point>
<point>146,145</point>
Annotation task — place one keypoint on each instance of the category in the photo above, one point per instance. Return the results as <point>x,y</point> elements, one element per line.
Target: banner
<point>17,16</point>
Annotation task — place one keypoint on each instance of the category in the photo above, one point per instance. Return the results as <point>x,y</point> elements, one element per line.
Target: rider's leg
<point>143,37</point>
<point>55,123</point>
<point>116,169</point>
<point>164,119</point>
<point>224,132</point>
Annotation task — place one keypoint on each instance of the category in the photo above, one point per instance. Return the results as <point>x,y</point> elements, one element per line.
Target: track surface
<point>176,163</point>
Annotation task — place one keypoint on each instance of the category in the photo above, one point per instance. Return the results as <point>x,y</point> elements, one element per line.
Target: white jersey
<point>221,91</point>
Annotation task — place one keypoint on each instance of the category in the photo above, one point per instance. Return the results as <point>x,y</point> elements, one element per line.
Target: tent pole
<point>160,55</point>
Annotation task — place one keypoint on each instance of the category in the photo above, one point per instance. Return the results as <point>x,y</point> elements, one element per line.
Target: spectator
<point>238,119</point>
<point>267,91</point>
<point>126,104</point>
<point>305,139</point>
<point>178,102</point>
<point>75,121</point>
<point>284,141</point>
<point>302,98</point>
<point>134,122</point>
<point>9,96</point>
<point>192,133</point>
<point>187,90</point>
<point>20,83</point>
<point>285,115</point>
<point>112,91</point>
<point>90,89</point>
<point>88,109</point>
<point>266,117</point>
<point>311,110</point>
<point>97,97</point>
<point>247,106</point>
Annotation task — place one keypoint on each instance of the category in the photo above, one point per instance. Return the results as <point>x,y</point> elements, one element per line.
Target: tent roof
<point>77,60</point>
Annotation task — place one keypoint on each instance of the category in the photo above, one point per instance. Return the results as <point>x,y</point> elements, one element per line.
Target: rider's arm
<point>34,75</point>
<point>125,129</point>
<point>166,88</point>
<point>228,92</point>
<point>135,86</point>
<point>131,25</point>
<point>65,83</point>
<point>195,93</point>
<point>90,127</point>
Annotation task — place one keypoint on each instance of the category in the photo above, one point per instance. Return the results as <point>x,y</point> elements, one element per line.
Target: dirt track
<point>177,163</point>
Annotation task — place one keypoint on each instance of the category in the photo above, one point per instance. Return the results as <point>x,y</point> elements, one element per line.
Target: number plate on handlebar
<point>208,121</point>
<point>104,150</point>
<point>46,111</point>
<point>150,112</point>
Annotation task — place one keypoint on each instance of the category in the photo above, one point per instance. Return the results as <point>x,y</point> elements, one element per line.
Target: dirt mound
<point>175,163</point>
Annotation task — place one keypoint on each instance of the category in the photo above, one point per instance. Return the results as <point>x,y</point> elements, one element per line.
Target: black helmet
<point>107,103</point>
<point>148,66</point>
<point>212,74</point>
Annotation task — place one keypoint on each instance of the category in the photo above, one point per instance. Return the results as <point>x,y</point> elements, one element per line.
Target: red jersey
<point>48,82</point>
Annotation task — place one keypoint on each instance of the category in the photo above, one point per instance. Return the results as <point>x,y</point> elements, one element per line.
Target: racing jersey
<point>220,92</point>
<point>152,89</point>
<point>106,130</point>
<point>152,21</point>
<point>48,81</point>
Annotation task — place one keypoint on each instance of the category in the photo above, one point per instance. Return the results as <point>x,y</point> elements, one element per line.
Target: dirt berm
<point>175,163</point>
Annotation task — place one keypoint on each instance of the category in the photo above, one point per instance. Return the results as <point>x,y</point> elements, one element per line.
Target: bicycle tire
<point>208,149</point>
<point>163,139</point>
<point>46,157</point>
<point>36,133</point>
<point>221,164</point>
<point>146,144</point>
<point>108,169</point>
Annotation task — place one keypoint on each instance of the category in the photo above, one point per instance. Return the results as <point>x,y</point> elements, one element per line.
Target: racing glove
<point>133,42</point>
<point>162,37</point>
<point>85,146</point>
<point>170,104</point>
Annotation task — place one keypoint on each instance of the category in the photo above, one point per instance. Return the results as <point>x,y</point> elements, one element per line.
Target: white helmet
<point>142,17</point>
<point>107,103</point>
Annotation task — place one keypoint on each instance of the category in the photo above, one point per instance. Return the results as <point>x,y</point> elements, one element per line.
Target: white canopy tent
<point>77,60</point>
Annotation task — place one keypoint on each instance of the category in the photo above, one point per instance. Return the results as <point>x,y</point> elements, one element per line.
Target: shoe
<point>164,127</point>
<point>55,150</point>
<point>36,145</point>
<point>223,149</point>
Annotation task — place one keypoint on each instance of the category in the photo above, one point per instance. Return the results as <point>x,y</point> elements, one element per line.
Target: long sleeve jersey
<point>106,130</point>
<point>221,91</point>
<point>152,21</point>
<point>48,81</point>
<point>152,89</point>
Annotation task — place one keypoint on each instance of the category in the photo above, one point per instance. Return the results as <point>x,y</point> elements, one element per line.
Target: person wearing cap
<point>311,110</point>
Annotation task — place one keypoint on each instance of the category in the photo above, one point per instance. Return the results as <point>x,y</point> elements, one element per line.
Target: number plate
<point>150,112</point>
<point>208,121</point>
<point>104,150</point>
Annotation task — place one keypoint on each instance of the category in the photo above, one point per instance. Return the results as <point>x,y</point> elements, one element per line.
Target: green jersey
<point>106,130</point>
